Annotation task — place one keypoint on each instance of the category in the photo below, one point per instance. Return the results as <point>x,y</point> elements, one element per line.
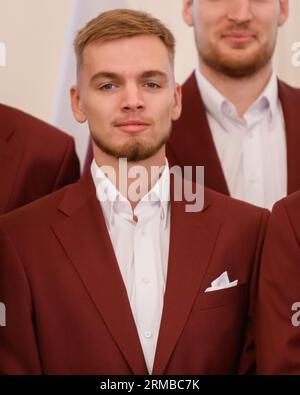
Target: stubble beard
<point>135,150</point>
<point>237,67</point>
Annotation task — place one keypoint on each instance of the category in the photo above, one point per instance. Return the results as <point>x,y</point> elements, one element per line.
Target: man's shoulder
<point>233,210</point>
<point>291,206</point>
<point>288,92</point>
<point>43,211</point>
<point>28,128</point>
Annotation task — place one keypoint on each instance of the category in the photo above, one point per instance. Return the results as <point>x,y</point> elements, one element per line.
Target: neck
<point>242,92</point>
<point>133,179</point>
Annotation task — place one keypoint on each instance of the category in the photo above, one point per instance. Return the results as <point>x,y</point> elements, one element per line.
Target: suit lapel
<point>290,102</point>
<point>86,241</point>
<point>192,240</point>
<point>10,156</point>
<point>191,142</point>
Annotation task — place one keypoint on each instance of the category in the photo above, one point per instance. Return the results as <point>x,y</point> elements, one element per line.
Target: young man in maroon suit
<point>278,329</point>
<point>35,159</point>
<point>238,120</point>
<point>97,280</point>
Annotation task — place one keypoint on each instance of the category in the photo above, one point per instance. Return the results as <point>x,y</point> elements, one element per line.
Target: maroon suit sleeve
<point>278,341</point>
<point>69,170</point>
<point>247,363</point>
<point>43,159</point>
<point>18,346</point>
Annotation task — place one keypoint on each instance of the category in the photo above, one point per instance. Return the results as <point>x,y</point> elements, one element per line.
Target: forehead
<point>133,54</point>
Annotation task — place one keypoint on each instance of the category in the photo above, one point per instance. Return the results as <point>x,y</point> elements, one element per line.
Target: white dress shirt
<point>141,249</point>
<point>252,149</point>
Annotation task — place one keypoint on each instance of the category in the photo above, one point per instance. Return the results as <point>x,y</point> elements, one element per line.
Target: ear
<point>76,104</point>
<point>187,12</point>
<point>176,111</point>
<point>284,11</point>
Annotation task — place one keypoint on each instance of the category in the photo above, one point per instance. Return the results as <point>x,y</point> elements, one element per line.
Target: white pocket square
<point>221,282</point>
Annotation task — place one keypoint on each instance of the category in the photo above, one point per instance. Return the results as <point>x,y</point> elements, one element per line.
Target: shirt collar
<point>212,98</point>
<point>215,102</point>
<point>270,93</point>
<point>109,196</point>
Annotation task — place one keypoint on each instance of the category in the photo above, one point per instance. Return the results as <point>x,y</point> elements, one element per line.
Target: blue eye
<point>152,85</point>
<point>107,86</point>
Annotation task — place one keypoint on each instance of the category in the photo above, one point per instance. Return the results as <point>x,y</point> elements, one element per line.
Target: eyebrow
<point>114,76</point>
<point>154,73</point>
<point>103,75</point>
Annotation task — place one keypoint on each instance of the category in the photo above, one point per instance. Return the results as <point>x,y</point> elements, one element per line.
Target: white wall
<point>38,36</point>
<point>33,32</point>
<point>289,34</point>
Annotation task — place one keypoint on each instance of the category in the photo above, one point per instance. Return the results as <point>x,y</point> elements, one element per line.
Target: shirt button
<point>148,334</point>
<point>145,280</point>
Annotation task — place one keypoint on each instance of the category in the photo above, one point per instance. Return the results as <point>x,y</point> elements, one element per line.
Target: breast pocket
<point>220,298</point>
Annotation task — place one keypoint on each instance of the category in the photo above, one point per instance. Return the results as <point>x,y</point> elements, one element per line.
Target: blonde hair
<point>122,23</point>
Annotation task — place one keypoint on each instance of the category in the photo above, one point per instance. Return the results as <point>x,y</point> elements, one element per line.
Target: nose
<point>240,11</point>
<point>132,99</point>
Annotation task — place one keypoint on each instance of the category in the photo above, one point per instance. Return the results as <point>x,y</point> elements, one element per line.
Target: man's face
<point>235,37</point>
<point>126,92</point>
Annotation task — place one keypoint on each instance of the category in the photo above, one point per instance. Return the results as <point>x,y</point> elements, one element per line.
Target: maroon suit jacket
<point>35,159</point>
<point>278,332</point>
<point>67,306</point>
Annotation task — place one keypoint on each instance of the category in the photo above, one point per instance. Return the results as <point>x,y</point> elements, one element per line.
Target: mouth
<point>132,126</point>
<point>239,37</point>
